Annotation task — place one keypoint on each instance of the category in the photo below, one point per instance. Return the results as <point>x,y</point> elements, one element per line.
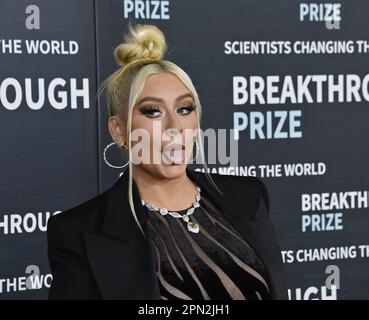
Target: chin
<point>173,170</point>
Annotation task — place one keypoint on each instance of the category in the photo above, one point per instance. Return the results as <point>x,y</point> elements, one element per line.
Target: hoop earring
<point>107,162</point>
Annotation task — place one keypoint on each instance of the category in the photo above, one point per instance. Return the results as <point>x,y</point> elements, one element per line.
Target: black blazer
<point>97,251</point>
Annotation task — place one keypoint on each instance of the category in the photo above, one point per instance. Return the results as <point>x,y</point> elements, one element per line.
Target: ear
<point>116,130</point>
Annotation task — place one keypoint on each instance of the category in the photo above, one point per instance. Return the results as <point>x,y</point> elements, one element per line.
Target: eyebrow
<point>161,100</point>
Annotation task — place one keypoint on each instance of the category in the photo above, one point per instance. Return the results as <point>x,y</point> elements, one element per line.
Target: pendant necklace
<point>191,226</point>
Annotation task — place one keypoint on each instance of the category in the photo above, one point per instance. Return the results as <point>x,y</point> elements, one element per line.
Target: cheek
<point>190,121</point>
<point>190,125</point>
<point>142,124</point>
<point>144,128</point>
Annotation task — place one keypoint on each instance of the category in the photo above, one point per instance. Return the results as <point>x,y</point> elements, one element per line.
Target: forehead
<point>164,85</point>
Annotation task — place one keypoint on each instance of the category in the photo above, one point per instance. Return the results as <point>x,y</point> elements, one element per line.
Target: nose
<point>174,135</point>
<point>174,126</point>
<point>172,131</point>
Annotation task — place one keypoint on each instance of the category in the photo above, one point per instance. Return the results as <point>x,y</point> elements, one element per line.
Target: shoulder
<point>255,186</point>
<point>72,277</point>
<point>252,186</point>
<point>84,216</point>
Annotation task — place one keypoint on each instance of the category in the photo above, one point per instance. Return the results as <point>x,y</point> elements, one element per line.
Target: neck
<point>174,194</point>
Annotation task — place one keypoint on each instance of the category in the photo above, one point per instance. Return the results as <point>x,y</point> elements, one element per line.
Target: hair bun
<point>142,41</point>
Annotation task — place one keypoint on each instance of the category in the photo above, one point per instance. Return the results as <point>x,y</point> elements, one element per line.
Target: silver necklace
<point>191,226</point>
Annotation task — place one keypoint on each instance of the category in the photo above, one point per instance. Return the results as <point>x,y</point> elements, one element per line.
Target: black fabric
<point>176,255</point>
<point>97,251</point>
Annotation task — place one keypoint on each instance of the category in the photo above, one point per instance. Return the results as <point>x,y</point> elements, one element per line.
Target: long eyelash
<point>148,109</point>
<point>190,107</point>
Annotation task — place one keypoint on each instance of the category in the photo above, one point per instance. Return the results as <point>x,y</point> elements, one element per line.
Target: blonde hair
<point>141,55</point>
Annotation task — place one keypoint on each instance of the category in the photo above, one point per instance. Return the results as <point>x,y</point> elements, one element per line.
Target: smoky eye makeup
<point>188,107</point>
<point>149,110</point>
<point>153,110</point>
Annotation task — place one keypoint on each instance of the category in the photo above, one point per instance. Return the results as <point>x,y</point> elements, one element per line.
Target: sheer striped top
<point>215,263</point>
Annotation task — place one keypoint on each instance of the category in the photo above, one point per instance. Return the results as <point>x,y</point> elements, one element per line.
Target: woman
<point>163,231</point>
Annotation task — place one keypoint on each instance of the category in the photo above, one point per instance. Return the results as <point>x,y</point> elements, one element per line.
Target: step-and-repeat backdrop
<point>291,78</point>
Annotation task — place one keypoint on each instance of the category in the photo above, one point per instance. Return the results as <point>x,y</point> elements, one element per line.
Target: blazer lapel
<point>123,269</point>
<point>121,258</point>
<point>260,234</point>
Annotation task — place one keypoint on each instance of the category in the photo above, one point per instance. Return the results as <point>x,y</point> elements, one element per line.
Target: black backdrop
<point>52,159</point>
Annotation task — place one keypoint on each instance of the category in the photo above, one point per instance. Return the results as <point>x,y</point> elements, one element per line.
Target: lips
<point>173,146</point>
<point>174,153</point>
